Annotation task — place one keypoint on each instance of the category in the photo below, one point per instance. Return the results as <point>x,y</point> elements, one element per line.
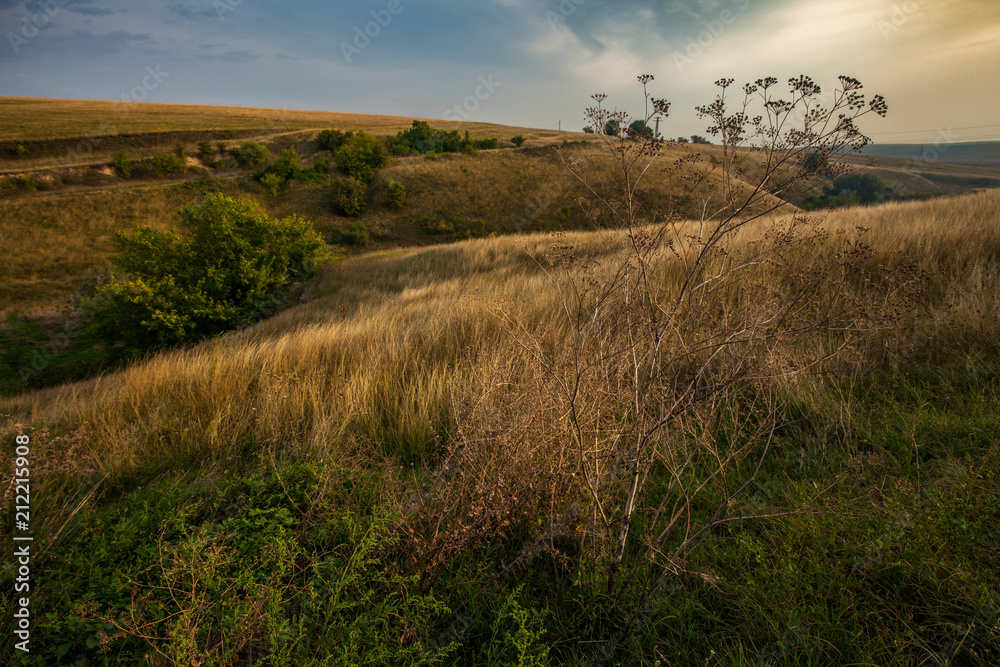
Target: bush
<point>229,271</point>
<point>517,140</point>
<point>168,163</point>
<point>287,166</point>
<point>395,195</point>
<point>696,139</point>
<point>122,164</point>
<point>251,155</point>
<point>355,233</point>
<point>360,157</point>
<point>272,184</point>
<point>422,139</point>
<point>851,190</point>
<point>332,140</point>
<point>206,154</point>
<point>352,197</point>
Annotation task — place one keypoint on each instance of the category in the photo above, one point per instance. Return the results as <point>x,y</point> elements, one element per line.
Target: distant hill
<point>971,154</point>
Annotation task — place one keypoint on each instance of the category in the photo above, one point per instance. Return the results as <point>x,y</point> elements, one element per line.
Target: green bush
<point>395,195</point>
<point>355,233</point>
<point>272,184</point>
<point>168,163</point>
<point>360,157</point>
<point>206,154</point>
<point>251,155</point>
<point>286,167</point>
<point>332,140</point>
<point>122,164</point>
<point>352,197</point>
<point>228,271</point>
<point>517,140</point>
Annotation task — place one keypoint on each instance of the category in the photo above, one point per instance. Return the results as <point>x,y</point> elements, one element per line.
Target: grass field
<point>301,431</point>
<point>384,473</point>
<point>65,132</point>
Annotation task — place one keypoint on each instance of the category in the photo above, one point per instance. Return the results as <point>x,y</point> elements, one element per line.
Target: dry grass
<point>57,235</point>
<point>382,343</point>
<point>52,240</point>
<point>35,121</point>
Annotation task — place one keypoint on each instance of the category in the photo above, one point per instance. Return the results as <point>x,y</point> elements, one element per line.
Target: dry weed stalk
<point>659,394</point>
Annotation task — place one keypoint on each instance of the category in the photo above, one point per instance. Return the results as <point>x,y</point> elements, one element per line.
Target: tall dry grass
<point>373,358</point>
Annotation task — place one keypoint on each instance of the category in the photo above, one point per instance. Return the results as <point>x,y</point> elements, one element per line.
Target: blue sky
<point>533,62</point>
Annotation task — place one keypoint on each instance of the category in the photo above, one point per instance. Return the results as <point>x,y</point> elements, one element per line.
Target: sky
<point>531,63</point>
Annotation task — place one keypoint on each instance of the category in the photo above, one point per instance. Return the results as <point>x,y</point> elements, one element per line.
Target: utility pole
<point>560,126</point>
<point>657,134</point>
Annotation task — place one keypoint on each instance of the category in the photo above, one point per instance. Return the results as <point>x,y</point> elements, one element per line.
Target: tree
<point>361,156</point>
<point>517,140</point>
<point>697,139</point>
<point>251,155</point>
<point>588,129</point>
<point>228,270</point>
<point>638,129</point>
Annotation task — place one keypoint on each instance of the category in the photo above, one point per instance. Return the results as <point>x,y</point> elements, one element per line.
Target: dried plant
<point>655,398</point>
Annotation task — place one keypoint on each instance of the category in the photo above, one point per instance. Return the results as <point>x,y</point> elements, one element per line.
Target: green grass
<point>895,563</point>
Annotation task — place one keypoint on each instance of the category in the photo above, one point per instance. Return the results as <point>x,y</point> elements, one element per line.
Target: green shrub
<point>352,197</point>
<point>20,150</point>
<point>355,233</point>
<point>228,271</point>
<point>286,167</point>
<point>395,195</point>
<point>517,140</point>
<point>361,156</point>
<point>331,140</point>
<point>251,155</point>
<point>168,163</point>
<point>206,154</point>
<point>122,164</point>
<point>272,184</point>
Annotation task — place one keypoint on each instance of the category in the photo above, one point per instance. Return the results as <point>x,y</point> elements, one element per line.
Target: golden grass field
<point>380,343</point>
<point>59,234</point>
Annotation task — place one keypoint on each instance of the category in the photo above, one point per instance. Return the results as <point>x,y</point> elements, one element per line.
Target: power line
<point>937,129</point>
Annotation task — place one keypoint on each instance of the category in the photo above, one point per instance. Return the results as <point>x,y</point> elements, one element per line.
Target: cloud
<point>233,56</point>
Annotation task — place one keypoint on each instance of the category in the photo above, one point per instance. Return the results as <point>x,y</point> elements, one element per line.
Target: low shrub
<point>360,157</point>
<point>395,195</point>
<point>229,271</point>
<point>332,140</point>
<point>121,163</point>
<point>251,155</point>
<point>165,164</point>
<point>352,197</point>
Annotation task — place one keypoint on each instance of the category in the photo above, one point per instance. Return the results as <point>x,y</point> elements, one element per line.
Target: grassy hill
<point>387,471</point>
<point>265,462</point>
<point>971,153</point>
<point>55,132</point>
